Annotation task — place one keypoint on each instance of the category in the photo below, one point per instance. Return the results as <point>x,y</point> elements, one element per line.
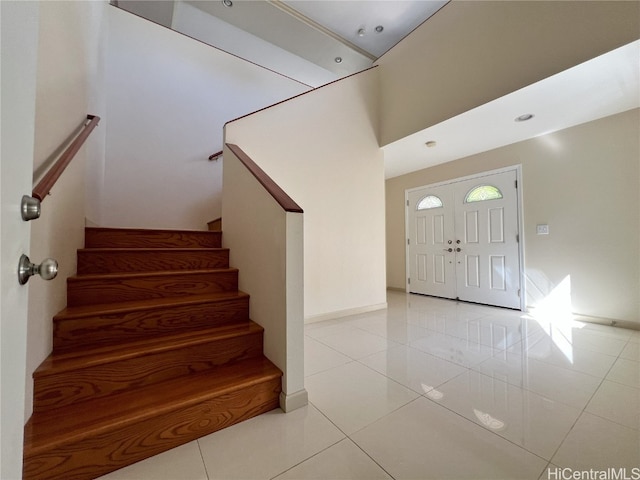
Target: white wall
<point>583,182</point>
<point>472,52</point>
<point>194,22</point>
<point>271,269</point>
<point>68,63</point>
<point>18,56</point>
<point>168,98</point>
<point>321,148</point>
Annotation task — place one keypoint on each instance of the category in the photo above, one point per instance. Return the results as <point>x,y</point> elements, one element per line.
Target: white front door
<point>463,240</point>
<point>431,234</point>
<point>19,55</point>
<point>486,224</point>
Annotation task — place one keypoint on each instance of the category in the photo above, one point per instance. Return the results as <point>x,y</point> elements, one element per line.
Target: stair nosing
<point>159,273</point>
<point>150,249</point>
<point>67,361</point>
<point>133,229</point>
<point>80,311</point>
<point>139,414</point>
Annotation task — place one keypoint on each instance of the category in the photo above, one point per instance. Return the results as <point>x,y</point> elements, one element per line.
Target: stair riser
<point>81,291</point>
<point>87,458</point>
<point>53,390</point>
<point>100,330</point>
<point>150,261</point>
<point>113,238</point>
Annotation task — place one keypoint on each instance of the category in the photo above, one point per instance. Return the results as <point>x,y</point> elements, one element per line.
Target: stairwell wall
<point>322,149</point>
<point>168,98</point>
<point>70,35</point>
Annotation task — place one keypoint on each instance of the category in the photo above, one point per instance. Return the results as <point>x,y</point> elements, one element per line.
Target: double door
<point>463,240</point>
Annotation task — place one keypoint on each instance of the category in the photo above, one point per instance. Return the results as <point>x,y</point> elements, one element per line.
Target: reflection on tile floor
<point>436,389</point>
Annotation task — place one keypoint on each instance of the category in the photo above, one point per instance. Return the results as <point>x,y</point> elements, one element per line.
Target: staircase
<point>154,349</point>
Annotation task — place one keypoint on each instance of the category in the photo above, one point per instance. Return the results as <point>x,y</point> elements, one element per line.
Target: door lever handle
<point>448,249</point>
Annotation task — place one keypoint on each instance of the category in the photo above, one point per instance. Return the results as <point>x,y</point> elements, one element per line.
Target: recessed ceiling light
<point>379,29</point>
<point>525,117</point>
<point>431,144</point>
<point>361,32</point>
<point>338,59</point>
<point>227,3</point>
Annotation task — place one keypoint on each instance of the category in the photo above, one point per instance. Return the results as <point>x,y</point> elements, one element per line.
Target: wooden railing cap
<point>280,196</point>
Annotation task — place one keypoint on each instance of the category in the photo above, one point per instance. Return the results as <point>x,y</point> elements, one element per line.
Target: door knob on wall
<point>47,270</point>
<point>29,208</point>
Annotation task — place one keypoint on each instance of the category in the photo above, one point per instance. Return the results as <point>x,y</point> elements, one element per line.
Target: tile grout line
<point>584,409</point>
<point>310,457</point>
<point>486,429</point>
<point>204,464</point>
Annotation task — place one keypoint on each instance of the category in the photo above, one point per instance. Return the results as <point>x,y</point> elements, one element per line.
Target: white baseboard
<point>397,289</point>
<point>344,313</point>
<point>612,322</point>
<point>607,321</point>
<point>289,403</point>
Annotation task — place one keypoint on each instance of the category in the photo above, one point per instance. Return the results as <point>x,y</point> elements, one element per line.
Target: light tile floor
<point>436,389</point>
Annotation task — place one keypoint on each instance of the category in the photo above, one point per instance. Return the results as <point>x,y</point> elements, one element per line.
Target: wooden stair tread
<point>144,231</point>
<point>134,275</point>
<point>90,289</point>
<point>93,261</point>
<point>149,304</point>
<point>152,249</point>
<point>56,363</point>
<point>134,237</point>
<point>90,418</point>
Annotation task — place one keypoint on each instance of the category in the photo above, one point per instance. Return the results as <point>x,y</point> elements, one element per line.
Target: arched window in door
<point>430,201</point>
<point>482,193</point>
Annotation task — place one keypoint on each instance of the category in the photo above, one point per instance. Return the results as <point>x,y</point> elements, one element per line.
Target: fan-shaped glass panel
<point>482,193</point>
<point>430,201</point>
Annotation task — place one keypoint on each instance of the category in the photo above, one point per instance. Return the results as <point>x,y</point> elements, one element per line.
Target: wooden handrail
<point>44,186</point>
<point>215,156</point>
<point>280,196</point>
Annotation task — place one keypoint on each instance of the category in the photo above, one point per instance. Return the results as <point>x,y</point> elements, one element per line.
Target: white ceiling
<point>347,17</point>
<point>321,30</point>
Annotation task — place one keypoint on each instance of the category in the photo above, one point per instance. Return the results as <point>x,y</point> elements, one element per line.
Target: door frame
<point>519,209</point>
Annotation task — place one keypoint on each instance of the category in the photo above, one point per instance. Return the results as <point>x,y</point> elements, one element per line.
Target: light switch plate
<point>542,229</point>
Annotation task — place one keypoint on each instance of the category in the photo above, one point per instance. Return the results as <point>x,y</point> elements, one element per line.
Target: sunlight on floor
<point>555,315</point>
